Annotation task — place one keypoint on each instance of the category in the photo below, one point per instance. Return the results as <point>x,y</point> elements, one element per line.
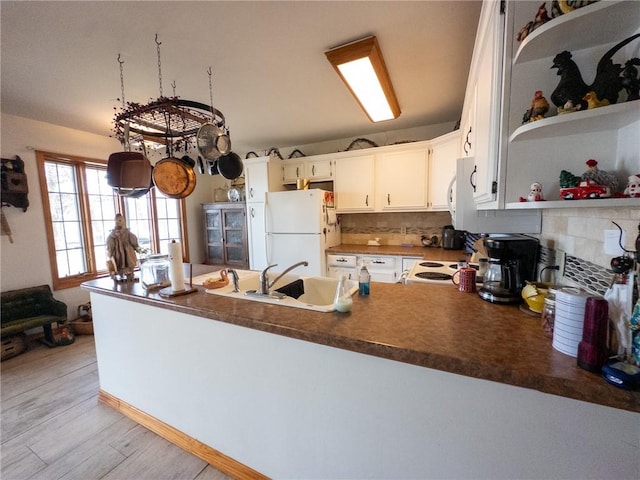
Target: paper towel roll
<point>176,272</point>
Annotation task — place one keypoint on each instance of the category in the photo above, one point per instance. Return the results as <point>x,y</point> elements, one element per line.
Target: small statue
<point>535,193</point>
<point>630,81</point>
<point>122,246</point>
<point>568,108</point>
<point>633,186</point>
<point>539,108</point>
<point>600,177</point>
<point>606,85</point>
<point>568,179</point>
<point>593,101</point>
<point>541,18</point>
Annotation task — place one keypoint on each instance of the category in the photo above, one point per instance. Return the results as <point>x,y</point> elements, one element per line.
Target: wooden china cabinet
<point>225,232</point>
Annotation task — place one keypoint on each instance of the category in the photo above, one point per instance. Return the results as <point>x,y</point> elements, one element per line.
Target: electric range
<point>436,271</point>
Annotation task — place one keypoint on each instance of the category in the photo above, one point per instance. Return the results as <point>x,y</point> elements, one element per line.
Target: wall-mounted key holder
<point>13,183</point>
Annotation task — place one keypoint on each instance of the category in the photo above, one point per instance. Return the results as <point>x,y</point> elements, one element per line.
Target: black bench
<point>31,307</point>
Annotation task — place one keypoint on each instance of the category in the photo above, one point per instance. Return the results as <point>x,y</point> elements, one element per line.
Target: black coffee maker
<point>512,261</point>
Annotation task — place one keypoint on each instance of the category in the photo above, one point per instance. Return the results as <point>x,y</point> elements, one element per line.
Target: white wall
<point>25,262</point>
<point>295,409</point>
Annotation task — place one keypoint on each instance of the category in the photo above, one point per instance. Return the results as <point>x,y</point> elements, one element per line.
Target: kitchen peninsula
<point>415,379</point>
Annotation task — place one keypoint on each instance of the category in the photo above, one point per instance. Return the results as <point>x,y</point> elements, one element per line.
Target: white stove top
<point>435,271</point>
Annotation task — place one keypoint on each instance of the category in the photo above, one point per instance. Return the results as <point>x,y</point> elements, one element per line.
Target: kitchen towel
<point>176,270</point>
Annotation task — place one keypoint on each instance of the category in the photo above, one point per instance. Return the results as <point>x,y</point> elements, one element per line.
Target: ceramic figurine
<point>568,179</point>
<point>633,186</point>
<point>606,84</point>
<point>539,108</point>
<point>560,7</point>
<point>600,177</point>
<point>568,108</point>
<point>535,193</point>
<point>122,246</point>
<point>630,80</point>
<point>541,18</point>
<point>593,101</point>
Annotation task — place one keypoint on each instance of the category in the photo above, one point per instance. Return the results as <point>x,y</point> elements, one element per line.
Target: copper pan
<point>174,177</point>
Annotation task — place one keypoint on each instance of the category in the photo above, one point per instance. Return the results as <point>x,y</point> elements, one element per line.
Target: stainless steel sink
<point>315,293</point>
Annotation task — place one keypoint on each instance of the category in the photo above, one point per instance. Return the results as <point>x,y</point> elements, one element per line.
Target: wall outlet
<point>560,261</point>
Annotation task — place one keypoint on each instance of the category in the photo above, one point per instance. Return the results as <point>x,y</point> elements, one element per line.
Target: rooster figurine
<point>630,80</point>
<point>541,18</point>
<point>539,108</point>
<point>600,177</point>
<point>606,84</point>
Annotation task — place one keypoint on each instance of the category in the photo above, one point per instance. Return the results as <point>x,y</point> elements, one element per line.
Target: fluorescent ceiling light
<point>362,69</point>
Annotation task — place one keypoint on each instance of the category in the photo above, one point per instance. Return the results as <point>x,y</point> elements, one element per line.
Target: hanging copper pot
<point>174,177</point>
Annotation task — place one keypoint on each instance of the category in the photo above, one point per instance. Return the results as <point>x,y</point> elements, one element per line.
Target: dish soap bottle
<point>342,301</point>
<point>364,280</point>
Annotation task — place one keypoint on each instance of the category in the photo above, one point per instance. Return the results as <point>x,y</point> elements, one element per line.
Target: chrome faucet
<point>265,284</point>
<point>234,278</point>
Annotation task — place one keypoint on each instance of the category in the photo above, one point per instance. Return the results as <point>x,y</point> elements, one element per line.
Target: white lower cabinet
<point>257,236</point>
<point>338,265</point>
<point>382,268</point>
<point>408,262</point>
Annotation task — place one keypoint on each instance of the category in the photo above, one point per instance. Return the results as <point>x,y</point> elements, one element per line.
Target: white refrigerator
<point>300,226</point>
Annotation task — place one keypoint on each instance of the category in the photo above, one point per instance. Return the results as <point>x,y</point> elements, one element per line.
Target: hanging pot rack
<point>165,120</point>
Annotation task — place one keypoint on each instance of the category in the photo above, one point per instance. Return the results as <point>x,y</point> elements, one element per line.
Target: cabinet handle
<point>472,179</point>
<point>251,192</point>
<point>297,171</point>
<point>467,142</point>
<point>366,200</point>
<point>253,212</point>
<point>313,170</point>
<point>342,260</point>
<point>388,199</point>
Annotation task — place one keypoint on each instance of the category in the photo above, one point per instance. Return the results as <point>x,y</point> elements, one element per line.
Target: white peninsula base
<point>291,409</point>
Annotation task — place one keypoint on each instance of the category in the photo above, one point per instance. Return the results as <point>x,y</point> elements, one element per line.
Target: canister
<point>155,271</point>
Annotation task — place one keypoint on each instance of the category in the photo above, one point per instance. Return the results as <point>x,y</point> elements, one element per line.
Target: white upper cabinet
<point>401,180</point>
<point>292,170</point>
<point>538,151</point>
<point>443,153</point>
<point>354,184</point>
<point>262,175</point>
<point>318,168</point>
<point>480,121</point>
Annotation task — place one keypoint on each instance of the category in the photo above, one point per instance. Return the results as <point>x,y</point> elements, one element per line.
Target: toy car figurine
<point>585,189</point>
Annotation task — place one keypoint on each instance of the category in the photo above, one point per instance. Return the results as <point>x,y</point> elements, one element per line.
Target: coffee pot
<point>512,262</point>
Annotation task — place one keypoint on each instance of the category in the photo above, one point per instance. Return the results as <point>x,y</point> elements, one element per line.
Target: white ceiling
<point>270,76</point>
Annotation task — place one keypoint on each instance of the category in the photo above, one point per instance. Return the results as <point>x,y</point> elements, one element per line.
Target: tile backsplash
<point>392,228</point>
<point>579,232</point>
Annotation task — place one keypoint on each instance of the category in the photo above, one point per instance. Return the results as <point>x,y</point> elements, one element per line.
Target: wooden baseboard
<point>210,455</point>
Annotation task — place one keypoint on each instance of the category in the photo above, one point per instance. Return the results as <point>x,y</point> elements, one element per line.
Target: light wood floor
<point>54,428</point>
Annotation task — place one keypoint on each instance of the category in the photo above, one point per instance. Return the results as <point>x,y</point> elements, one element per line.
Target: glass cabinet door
<point>226,234</point>
<point>214,236</point>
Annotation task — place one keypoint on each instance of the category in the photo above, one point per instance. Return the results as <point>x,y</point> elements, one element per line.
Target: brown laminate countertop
<point>428,325</point>
<point>426,253</point>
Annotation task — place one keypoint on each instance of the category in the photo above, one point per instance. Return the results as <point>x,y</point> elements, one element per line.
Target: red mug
<point>467,281</point>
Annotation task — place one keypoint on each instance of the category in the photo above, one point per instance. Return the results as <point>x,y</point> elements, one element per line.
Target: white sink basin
<point>315,293</point>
